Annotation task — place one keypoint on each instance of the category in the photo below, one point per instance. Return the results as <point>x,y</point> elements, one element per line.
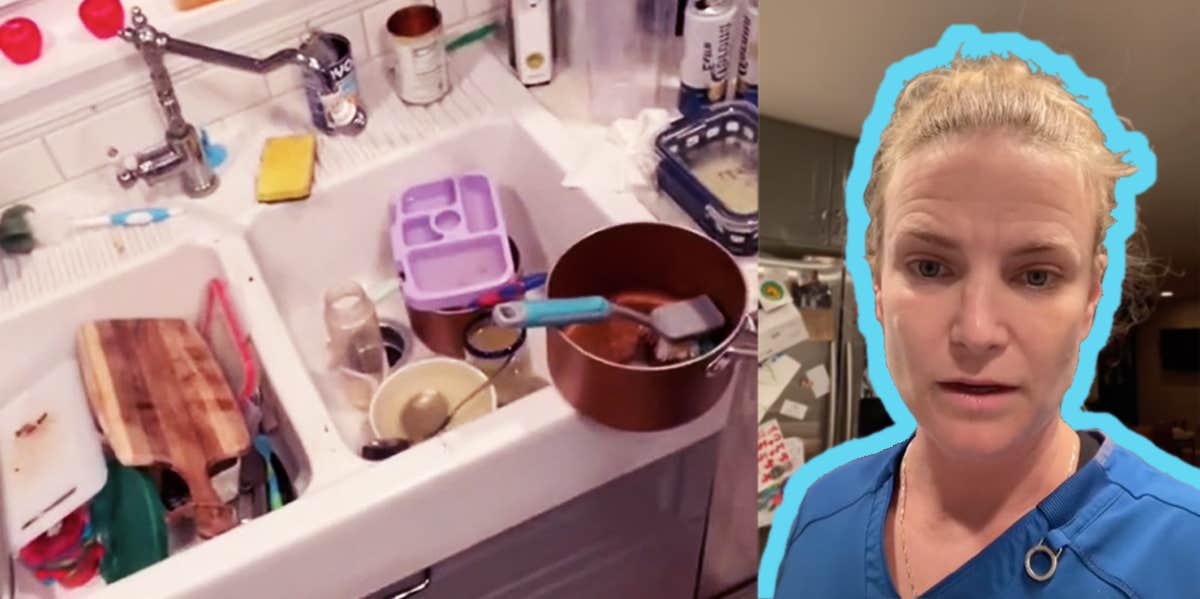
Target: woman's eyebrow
<point>1050,244</point>
<point>1038,247</point>
<point>928,236</point>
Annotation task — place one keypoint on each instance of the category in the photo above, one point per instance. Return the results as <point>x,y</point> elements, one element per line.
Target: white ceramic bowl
<point>453,378</point>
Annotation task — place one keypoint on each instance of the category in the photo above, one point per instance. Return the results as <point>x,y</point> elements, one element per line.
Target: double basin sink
<point>350,513</point>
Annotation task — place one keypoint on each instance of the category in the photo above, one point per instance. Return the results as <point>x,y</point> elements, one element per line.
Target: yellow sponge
<point>286,170</point>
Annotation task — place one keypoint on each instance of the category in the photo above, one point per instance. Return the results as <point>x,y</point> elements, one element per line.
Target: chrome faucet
<point>329,81</point>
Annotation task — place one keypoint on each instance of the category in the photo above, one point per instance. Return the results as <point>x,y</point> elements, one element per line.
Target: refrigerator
<point>812,387</point>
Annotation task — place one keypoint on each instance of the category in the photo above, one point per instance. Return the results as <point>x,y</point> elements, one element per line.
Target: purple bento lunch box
<point>449,241</point>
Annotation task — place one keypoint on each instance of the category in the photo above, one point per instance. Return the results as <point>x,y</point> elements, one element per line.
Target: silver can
<point>421,73</point>
<point>331,85</point>
<point>708,30</point>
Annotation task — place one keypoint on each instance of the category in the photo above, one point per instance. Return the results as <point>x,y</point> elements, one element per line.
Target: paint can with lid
<point>420,74</point>
<point>708,41</point>
<point>331,84</point>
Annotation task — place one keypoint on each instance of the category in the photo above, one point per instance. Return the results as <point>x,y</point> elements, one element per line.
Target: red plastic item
<point>54,547</point>
<point>77,574</point>
<point>104,18</point>
<point>218,308</point>
<point>21,40</point>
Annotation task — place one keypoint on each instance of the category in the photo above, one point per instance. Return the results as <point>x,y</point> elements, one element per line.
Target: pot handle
<point>744,346</point>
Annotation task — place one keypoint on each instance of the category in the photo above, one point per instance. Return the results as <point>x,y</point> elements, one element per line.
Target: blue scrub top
<point>1124,528</point>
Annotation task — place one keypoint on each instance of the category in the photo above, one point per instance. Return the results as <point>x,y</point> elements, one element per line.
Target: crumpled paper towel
<point>625,158</point>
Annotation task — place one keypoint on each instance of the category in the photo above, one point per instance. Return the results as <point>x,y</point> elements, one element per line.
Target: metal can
<point>747,73</point>
<point>708,41</point>
<point>331,85</point>
<point>421,74</point>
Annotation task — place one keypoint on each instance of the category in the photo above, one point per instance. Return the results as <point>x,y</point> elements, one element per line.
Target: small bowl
<point>453,378</point>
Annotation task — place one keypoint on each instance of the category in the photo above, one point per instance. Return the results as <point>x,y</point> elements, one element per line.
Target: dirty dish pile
<point>177,408</point>
<point>454,260</point>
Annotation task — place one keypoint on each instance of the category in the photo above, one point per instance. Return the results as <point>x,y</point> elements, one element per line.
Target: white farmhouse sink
<point>341,233</point>
<point>358,525</point>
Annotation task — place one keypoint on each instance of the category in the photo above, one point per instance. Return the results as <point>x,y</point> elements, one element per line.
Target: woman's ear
<point>878,301</point>
<point>1097,286</point>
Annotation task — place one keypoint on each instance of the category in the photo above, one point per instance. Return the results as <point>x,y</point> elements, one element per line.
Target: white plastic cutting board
<point>58,466</point>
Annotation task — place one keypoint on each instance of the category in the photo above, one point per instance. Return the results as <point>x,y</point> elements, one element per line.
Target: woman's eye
<point>928,269</point>
<point>1038,279</point>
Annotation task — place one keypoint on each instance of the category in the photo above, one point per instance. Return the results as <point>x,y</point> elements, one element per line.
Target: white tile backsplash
<point>27,168</point>
<point>130,127</point>
<point>478,7</point>
<point>288,78</point>
<point>127,118</point>
<point>218,92</point>
<point>453,12</point>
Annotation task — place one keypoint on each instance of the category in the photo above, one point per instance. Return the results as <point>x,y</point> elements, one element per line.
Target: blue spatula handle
<point>552,312</point>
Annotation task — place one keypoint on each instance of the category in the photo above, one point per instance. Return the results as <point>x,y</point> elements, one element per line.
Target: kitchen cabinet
<point>802,189</point>
<point>637,537</point>
<point>843,159</point>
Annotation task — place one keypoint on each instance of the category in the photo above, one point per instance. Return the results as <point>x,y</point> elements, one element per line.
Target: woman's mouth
<point>976,387</point>
<point>977,397</point>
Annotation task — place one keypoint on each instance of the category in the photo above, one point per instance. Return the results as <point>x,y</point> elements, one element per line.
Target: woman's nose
<point>979,326</point>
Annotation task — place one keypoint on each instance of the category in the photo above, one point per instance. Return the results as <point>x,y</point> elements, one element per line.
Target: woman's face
<point>987,284</point>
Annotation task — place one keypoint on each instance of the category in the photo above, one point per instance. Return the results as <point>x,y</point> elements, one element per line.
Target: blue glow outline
<point>1091,93</point>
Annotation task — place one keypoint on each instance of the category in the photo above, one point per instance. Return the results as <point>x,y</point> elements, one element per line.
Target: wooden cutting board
<point>160,397</point>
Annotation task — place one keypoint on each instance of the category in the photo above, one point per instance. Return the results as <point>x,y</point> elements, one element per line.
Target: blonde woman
<point>989,200</point>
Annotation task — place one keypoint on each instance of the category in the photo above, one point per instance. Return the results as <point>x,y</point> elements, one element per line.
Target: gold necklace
<point>912,585</point>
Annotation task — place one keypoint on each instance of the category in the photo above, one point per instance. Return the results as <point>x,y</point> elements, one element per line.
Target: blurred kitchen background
<point>822,63</point>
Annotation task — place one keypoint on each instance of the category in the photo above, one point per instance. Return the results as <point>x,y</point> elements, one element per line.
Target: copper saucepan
<point>643,265</point>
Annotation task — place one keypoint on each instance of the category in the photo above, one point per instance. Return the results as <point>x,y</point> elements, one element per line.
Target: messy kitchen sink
<point>44,342</point>
<point>341,233</point>
<point>527,458</point>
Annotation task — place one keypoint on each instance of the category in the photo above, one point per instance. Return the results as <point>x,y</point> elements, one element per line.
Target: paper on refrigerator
<point>773,377</point>
<point>773,291</point>
<point>774,461</point>
<point>795,447</point>
<point>778,458</point>
<point>793,409</point>
<point>780,329</point>
<point>818,378</point>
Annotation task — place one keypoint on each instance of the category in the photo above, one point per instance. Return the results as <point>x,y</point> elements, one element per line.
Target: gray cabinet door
<point>637,537</point>
<point>843,160</point>
<point>795,182</point>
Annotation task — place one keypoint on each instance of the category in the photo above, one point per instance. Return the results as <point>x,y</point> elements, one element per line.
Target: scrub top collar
<point>1053,523</point>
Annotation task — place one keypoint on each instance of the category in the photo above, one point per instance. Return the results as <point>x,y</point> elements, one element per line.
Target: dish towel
<point>624,158</point>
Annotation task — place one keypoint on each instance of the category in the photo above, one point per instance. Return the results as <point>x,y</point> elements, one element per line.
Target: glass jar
<point>356,347</point>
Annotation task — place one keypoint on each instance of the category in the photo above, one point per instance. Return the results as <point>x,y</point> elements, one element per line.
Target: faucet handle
<point>140,32</point>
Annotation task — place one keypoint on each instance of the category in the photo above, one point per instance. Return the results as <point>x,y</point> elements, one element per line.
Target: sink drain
<point>395,343</point>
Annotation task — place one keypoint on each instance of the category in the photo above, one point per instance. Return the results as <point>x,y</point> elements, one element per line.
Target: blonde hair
<point>998,92</point>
